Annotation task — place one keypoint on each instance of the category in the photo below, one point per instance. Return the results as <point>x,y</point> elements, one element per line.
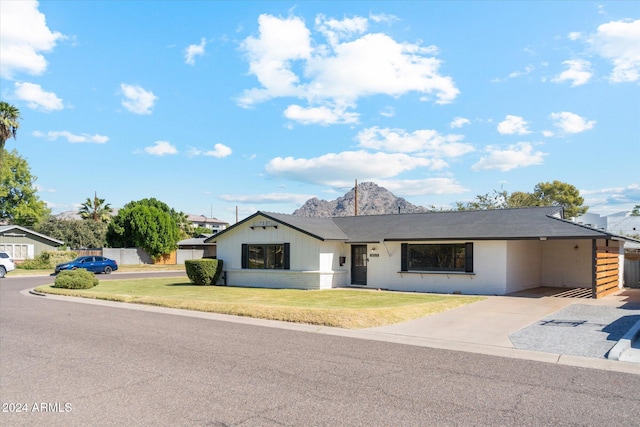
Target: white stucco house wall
<point>491,252</point>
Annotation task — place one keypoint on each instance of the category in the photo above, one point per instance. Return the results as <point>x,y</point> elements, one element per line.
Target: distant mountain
<point>372,200</point>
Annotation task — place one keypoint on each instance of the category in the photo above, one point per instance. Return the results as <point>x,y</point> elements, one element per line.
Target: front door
<point>359,265</point>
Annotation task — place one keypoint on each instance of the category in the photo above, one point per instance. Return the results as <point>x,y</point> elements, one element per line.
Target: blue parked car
<point>95,264</point>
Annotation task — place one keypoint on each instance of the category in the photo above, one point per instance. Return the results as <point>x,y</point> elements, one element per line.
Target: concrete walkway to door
<point>486,326</point>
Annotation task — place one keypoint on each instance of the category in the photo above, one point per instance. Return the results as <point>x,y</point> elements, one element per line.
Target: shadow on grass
<point>185,284</point>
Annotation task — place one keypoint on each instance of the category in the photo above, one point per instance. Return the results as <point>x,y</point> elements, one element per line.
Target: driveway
<point>539,320</point>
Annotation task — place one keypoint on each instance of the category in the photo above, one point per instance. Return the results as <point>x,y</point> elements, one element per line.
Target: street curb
<point>624,344</point>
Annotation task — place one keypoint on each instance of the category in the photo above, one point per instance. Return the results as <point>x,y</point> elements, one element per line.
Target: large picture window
<point>455,257</point>
<point>266,256</point>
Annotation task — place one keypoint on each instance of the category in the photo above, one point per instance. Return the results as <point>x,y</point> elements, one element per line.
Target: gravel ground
<point>579,330</point>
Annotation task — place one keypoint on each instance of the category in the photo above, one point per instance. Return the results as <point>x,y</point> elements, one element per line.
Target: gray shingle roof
<point>499,224</point>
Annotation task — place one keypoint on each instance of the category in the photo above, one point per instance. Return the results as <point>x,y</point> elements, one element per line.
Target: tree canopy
<point>9,124</point>
<point>148,224</point>
<point>19,203</point>
<point>75,233</point>
<point>554,193</point>
<point>96,210</point>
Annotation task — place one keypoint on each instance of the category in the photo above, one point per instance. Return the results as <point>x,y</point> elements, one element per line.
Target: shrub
<point>203,272</point>
<point>75,279</point>
<point>48,259</point>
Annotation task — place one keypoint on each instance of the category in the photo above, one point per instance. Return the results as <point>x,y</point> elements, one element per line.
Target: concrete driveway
<point>538,320</point>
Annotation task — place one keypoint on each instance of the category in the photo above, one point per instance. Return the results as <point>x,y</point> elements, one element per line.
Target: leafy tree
<point>559,193</point>
<point>196,231</point>
<point>19,203</point>
<point>148,224</point>
<point>9,124</point>
<point>76,233</point>
<point>635,211</point>
<point>497,200</point>
<point>96,210</point>
<point>554,193</point>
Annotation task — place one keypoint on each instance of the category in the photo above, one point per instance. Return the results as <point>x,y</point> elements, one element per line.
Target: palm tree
<point>96,210</point>
<point>9,116</point>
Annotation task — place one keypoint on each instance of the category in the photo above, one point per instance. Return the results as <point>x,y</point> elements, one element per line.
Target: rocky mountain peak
<point>372,200</point>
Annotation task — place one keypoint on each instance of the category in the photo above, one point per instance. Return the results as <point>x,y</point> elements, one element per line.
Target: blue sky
<point>209,106</point>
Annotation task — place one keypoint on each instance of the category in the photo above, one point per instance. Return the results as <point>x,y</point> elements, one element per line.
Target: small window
<point>454,257</point>
<point>265,256</point>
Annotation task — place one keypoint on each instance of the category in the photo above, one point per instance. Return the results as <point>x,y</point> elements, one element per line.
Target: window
<point>437,257</point>
<point>266,256</point>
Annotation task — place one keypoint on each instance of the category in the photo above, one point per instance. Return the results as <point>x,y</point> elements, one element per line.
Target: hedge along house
<point>22,243</point>
<point>494,252</point>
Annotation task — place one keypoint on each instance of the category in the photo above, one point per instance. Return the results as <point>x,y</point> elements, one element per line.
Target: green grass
<point>343,308</point>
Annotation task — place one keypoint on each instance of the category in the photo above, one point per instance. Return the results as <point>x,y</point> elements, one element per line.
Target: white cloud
<point>578,72</point>
<point>71,137</point>
<point>458,122</point>
<point>267,198</point>
<point>136,99</point>
<point>342,168</point>
<point>219,151</point>
<point>421,187</point>
<point>161,148</point>
<point>288,62</point>
<point>425,142</point>
<point>574,35</point>
<point>335,31</point>
<point>388,112</point>
<point>194,50</point>
<point>613,199</point>
<point>37,98</point>
<point>571,123</point>
<point>513,125</point>
<point>515,156</point>
<point>24,36</point>
<point>320,115</point>
<point>619,41</point>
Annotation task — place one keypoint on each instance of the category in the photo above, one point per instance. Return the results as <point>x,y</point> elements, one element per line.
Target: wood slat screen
<point>169,259</point>
<point>607,271</point>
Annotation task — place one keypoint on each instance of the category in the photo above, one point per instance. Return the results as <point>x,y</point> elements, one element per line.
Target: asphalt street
<point>64,363</point>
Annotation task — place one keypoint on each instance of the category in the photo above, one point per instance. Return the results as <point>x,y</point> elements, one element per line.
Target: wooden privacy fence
<point>607,271</point>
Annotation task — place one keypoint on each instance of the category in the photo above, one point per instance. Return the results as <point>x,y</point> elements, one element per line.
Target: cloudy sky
<point>256,105</point>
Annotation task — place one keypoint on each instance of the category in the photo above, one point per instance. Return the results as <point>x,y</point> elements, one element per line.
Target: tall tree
<point>635,211</point>
<point>148,224</point>
<point>9,124</point>
<point>75,233</point>
<point>559,193</point>
<point>96,210</point>
<point>19,203</point>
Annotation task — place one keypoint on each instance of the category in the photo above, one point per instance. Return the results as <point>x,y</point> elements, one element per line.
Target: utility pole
<point>356,201</point>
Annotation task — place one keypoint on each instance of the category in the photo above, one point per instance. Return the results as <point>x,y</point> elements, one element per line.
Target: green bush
<point>48,259</point>
<point>203,272</point>
<point>76,279</point>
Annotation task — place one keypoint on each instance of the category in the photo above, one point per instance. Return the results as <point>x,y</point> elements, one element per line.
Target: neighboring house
<point>22,243</point>
<point>469,252</point>
<point>619,223</point>
<point>213,224</point>
<point>198,245</point>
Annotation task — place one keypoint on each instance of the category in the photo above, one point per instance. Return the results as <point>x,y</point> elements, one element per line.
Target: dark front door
<point>359,264</point>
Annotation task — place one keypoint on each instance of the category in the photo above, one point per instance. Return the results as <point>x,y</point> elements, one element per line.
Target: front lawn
<point>344,308</point>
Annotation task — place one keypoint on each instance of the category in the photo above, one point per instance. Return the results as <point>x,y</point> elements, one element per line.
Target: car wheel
<point>74,268</point>
<point>107,270</point>
<point>3,272</point>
